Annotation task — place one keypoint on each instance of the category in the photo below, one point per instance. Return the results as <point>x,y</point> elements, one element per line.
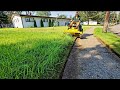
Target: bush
<point>42,25</point>
<point>50,24</point>
<point>35,25</point>
<point>58,23</point>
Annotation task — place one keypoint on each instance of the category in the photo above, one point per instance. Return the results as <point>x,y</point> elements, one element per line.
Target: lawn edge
<point>108,46</point>
<point>62,71</point>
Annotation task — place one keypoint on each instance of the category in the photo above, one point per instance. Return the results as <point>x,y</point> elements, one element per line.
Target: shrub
<point>50,24</point>
<point>42,25</point>
<point>35,25</point>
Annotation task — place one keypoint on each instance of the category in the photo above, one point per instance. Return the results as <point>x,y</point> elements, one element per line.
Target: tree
<point>29,12</point>
<point>3,18</point>
<point>113,17</point>
<point>100,17</point>
<point>43,13</point>
<point>42,25</point>
<point>58,23</point>
<point>105,27</point>
<point>35,25</point>
<point>83,16</point>
<point>62,16</point>
<point>10,13</point>
<point>119,18</point>
<point>93,15</point>
<point>50,23</point>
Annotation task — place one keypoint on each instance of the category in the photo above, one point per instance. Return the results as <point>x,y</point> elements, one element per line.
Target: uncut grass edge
<point>107,45</point>
<point>62,64</point>
<point>66,59</point>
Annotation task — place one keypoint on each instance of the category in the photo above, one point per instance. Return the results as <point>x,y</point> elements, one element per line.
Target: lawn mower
<point>74,31</point>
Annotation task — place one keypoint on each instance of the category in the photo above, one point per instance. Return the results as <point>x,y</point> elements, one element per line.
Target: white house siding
<point>17,22</point>
<point>93,23</point>
<point>62,22</point>
<point>90,23</point>
<point>38,21</point>
<point>46,24</point>
<point>31,24</point>
<point>85,23</point>
<point>27,24</point>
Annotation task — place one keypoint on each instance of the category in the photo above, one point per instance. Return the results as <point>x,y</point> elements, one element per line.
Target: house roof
<point>43,17</point>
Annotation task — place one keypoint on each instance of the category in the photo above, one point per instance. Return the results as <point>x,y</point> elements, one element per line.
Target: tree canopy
<point>43,13</point>
<point>62,16</point>
<point>3,17</point>
<point>93,15</point>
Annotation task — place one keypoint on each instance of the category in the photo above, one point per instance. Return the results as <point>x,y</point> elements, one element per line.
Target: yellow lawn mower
<point>74,31</point>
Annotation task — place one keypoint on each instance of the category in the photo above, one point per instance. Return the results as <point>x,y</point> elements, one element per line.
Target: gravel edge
<point>108,46</point>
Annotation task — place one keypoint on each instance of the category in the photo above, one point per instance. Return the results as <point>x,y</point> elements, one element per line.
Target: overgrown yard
<point>109,38</point>
<point>33,53</point>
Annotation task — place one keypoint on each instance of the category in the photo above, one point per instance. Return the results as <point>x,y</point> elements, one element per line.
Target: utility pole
<point>105,27</point>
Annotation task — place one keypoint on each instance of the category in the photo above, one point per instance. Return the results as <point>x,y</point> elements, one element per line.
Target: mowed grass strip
<point>109,38</point>
<point>33,53</point>
<point>85,27</point>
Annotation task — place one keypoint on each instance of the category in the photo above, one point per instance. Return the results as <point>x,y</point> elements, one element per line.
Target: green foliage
<point>34,53</point>
<point>3,18</point>
<point>58,23</point>
<point>42,24</point>
<point>43,13</point>
<point>10,13</point>
<point>118,20</point>
<point>35,25</point>
<point>50,23</point>
<point>93,15</point>
<point>114,17</point>
<point>109,38</point>
<point>62,16</point>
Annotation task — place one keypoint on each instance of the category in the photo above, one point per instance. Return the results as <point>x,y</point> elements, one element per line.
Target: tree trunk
<point>105,27</point>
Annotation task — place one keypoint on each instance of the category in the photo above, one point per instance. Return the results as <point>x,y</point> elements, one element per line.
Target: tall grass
<point>33,53</point>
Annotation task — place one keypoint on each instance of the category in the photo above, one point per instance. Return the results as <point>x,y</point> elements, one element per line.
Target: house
<point>27,21</point>
<point>91,22</point>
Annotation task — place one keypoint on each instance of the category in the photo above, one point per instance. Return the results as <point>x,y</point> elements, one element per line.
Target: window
<point>43,20</point>
<point>27,19</point>
<point>31,19</point>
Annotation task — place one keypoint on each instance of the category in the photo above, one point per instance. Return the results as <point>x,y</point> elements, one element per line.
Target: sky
<point>55,13</point>
<point>67,13</point>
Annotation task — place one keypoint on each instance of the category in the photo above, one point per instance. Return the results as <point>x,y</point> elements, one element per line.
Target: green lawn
<point>33,53</point>
<point>85,27</point>
<point>109,38</point>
